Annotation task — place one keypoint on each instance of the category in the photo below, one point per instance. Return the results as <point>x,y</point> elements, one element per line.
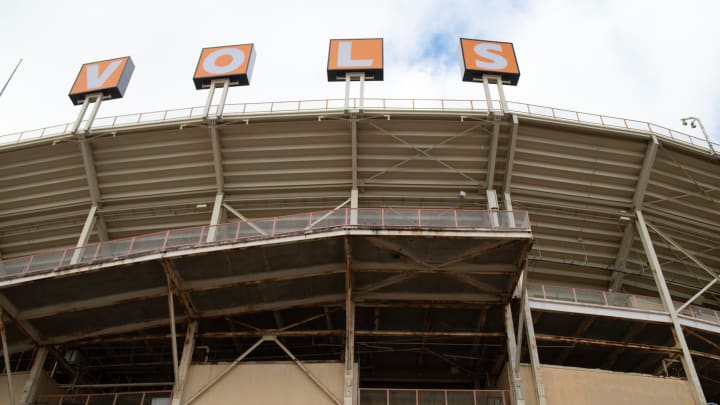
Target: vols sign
<point>355,56</point>
<point>109,77</point>
<point>234,62</point>
<point>488,58</point>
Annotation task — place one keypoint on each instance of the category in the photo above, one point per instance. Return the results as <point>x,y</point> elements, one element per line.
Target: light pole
<point>694,122</point>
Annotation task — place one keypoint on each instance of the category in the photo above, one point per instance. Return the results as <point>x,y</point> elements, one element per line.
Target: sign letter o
<point>210,63</point>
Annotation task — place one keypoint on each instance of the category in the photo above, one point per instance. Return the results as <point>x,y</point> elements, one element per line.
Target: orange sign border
<point>115,89</point>
<point>473,75</point>
<point>237,78</point>
<point>377,74</point>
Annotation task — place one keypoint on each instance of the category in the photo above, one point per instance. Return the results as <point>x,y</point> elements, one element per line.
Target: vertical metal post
<point>223,97</point>
<point>185,362</point>
<point>6,356</point>
<point>31,385</point>
<point>488,96</point>
<point>354,190</point>
<point>349,390</point>
<point>86,103</point>
<point>173,334</point>
<point>513,371</point>
<point>362,91</point>
<point>208,103</point>
<point>93,112</point>
<point>532,350</point>
<point>509,209</point>
<point>347,91</point>
<point>501,93</point>
<point>687,362</point>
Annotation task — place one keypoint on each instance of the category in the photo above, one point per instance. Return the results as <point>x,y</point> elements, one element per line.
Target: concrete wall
<point>276,383</point>
<point>573,386</point>
<point>45,386</point>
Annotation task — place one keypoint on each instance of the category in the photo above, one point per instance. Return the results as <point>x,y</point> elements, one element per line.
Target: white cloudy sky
<point>647,60</point>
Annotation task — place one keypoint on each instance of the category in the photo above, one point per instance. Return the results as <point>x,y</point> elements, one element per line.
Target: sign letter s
<point>496,61</point>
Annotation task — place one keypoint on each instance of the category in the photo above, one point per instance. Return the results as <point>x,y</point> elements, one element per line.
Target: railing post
<point>62,258</point>
<point>97,252</point>
<point>455,217</point>
<point>274,226</point>
<point>419,217</point>
<point>130,248</point>
<point>27,268</point>
<point>237,231</point>
<point>165,241</point>
<point>309,226</point>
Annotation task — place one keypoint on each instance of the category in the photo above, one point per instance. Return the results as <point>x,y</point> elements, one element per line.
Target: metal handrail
<point>376,218</point>
<point>140,396</point>
<point>478,397</point>
<point>617,300</point>
<point>370,104</point>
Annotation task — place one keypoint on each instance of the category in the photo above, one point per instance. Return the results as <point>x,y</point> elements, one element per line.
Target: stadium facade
<point>412,251</point>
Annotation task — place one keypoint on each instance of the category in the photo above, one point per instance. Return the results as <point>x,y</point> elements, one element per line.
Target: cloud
<point>647,60</point>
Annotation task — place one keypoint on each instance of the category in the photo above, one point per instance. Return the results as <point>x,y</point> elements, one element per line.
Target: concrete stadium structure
<point>414,251</point>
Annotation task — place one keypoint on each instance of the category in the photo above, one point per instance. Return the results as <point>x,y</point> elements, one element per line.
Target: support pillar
<point>349,387</point>
<point>532,350</point>
<point>173,335</point>
<point>185,362</point>
<point>687,362</point>
<point>215,218</point>
<point>31,385</point>
<point>84,235</point>
<point>6,357</point>
<point>513,371</point>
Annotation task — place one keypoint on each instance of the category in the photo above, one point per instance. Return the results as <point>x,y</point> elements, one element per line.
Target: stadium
<point>373,251</point>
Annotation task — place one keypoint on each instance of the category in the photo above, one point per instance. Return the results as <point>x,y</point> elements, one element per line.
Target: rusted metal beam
<point>585,324</point>
<point>608,343</point>
<point>175,286</point>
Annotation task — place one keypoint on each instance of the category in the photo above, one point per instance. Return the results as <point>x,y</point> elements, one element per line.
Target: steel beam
<point>616,279</point>
<point>215,217</point>
<point>6,357</point>
<point>683,251</point>
<point>176,286</point>
<point>349,386</point>
<point>92,180</point>
<point>492,156</point>
<point>232,365</point>
<point>185,362</point>
<point>688,365</point>
<point>217,157</point>
<point>585,324</point>
<point>532,350</point>
<point>510,158</point>
<point>513,371</point>
<point>84,235</point>
<point>31,384</point>
<point>25,327</point>
<point>243,218</point>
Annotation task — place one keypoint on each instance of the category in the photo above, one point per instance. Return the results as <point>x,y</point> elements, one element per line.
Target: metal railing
<point>376,218</point>
<point>617,300</point>
<point>392,396</point>
<point>120,398</point>
<point>377,104</point>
